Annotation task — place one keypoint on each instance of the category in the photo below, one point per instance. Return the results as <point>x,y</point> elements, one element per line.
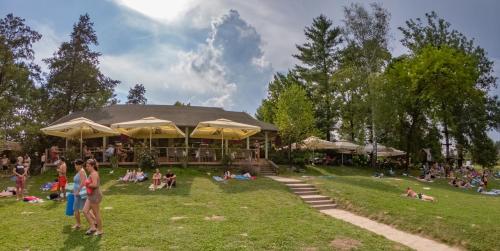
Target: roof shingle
<point>182,116</point>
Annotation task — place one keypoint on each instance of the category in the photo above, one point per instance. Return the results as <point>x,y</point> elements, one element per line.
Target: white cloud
<point>228,69</point>
<point>48,44</point>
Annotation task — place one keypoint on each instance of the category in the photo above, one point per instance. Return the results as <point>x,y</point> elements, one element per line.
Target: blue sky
<point>221,53</point>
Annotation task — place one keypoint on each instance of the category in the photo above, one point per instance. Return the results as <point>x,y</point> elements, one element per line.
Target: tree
<point>18,74</point>
<point>267,110</point>
<point>137,95</point>
<point>178,103</point>
<point>75,82</point>
<point>319,57</point>
<point>365,56</point>
<point>437,32</point>
<point>294,116</point>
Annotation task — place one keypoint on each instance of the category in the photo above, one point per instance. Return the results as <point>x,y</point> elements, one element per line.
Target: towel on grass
<point>151,187</point>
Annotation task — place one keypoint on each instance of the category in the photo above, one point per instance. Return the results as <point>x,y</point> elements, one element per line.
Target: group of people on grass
<point>159,181</point>
<point>468,176</point>
<point>133,175</point>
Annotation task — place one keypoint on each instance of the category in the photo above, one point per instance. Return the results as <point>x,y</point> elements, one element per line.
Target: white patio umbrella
<point>392,152</point>
<point>344,146</point>
<point>224,129</point>
<point>369,148</point>
<point>149,128</point>
<point>314,143</point>
<point>81,128</point>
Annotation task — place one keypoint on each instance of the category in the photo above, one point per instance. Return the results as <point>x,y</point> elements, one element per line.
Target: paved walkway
<point>411,240</point>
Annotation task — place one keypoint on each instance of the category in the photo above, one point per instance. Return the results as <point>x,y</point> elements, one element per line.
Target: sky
<point>222,53</point>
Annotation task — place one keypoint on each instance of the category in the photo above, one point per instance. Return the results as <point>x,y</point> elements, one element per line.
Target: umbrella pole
<point>222,142</point>
<point>150,137</point>
<point>81,142</point>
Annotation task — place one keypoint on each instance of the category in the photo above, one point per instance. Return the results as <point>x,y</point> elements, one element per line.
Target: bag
<point>53,196</point>
<point>83,193</point>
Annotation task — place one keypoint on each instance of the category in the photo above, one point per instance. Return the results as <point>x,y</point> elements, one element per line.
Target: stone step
<point>320,202</point>
<point>308,198</point>
<point>293,182</point>
<point>306,193</point>
<point>303,189</point>
<point>324,207</point>
<point>299,185</point>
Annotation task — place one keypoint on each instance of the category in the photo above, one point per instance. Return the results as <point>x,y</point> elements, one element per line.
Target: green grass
<point>258,215</point>
<point>459,217</point>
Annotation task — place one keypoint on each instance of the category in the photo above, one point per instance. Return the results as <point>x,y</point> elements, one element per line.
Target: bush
<point>146,158</point>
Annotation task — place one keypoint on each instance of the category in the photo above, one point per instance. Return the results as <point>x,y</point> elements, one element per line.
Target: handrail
<point>276,167</point>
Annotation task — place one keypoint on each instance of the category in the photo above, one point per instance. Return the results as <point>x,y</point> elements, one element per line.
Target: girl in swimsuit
<point>94,198</point>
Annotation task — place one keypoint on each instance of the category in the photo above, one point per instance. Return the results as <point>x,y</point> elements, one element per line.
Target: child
<point>156,179</point>
<point>20,173</point>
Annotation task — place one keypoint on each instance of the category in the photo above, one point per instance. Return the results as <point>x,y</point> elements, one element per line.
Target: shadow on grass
<point>78,240</point>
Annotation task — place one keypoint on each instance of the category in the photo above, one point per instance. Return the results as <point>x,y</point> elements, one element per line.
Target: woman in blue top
<point>78,180</point>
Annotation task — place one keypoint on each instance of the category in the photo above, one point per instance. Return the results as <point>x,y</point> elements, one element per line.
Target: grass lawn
<point>254,215</point>
<point>459,217</point>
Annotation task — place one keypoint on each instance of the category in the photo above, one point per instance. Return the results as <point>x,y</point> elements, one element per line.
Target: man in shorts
<point>61,170</point>
<point>170,179</point>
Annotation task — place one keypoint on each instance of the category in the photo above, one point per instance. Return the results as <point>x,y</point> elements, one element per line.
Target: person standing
<point>5,163</point>
<point>257,150</point>
<point>43,159</point>
<point>62,179</point>
<point>91,209</point>
<point>27,161</point>
<point>79,181</point>
<point>20,173</point>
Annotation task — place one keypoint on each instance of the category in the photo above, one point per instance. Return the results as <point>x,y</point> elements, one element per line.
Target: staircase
<point>308,193</point>
<point>266,168</point>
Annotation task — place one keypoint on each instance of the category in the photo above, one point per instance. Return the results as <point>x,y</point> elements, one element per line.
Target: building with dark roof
<point>186,118</point>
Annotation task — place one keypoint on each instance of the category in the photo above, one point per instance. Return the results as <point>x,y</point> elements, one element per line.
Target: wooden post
<point>266,147</point>
<point>104,146</point>
<point>186,142</point>
<point>248,143</point>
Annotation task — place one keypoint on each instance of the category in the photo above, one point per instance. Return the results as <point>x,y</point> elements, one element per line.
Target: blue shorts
<point>79,203</point>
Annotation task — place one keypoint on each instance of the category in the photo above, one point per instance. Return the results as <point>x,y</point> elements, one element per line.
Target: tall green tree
<point>319,56</point>
<point>137,95</point>
<point>267,110</point>
<point>75,82</point>
<point>366,55</point>
<point>434,31</point>
<point>18,74</point>
<point>294,116</point>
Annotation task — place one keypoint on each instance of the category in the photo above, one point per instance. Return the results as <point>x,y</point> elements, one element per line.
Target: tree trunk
<point>447,141</point>
<point>290,154</point>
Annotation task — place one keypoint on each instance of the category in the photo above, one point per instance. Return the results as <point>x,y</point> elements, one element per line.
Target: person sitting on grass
<point>139,176</point>
<point>464,184</point>
<point>227,175</point>
<point>412,194</point>
<point>126,177</point>
<point>156,179</point>
<point>169,179</point>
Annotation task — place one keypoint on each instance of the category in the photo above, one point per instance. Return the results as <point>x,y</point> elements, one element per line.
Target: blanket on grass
<point>151,187</point>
